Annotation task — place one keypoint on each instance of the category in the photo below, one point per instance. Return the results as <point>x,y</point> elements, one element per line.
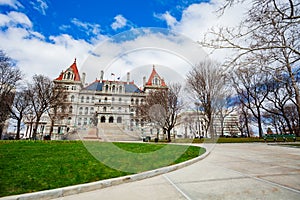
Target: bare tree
<point>9,77</point>
<point>162,107</point>
<point>268,36</point>
<point>206,82</point>
<point>252,91</point>
<point>20,107</point>
<point>43,94</point>
<point>58,106</point>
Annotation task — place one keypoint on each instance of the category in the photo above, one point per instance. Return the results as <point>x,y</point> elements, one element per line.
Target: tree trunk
<point>51,127</point>
<point>18,129</point>
<point>35,127</point>
<point>169,135</point>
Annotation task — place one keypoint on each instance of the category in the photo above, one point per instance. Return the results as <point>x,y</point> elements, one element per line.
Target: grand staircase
<point>109,132</point>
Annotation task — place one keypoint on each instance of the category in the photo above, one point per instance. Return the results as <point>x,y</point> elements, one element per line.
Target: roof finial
<point>153,66</point>
<point>75,60</point>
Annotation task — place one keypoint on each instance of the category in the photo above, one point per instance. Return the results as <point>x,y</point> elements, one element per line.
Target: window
<point>88,99</point>
<point>132,101</point>
<point>120,89</point>
<point>113,99</point>
<point>105,99</point>
<point>92,110</point>
<point>80,110</point>
<point>93,99</point>
<point>113,88</point>
<point>82,99</point>
<point>104,109</point>
<point>119,120</point>
<point>102,119</point>
<point>69,120</point>
<point>120,99</point>
<point>79,121</point>
<point>73,87</point>
<point>72,98</point>
<point>70,109</point>
<point>86,111</point>
<point>106,88</point>
<point>85,121</point>
<point>137,101</point>
<point>111,119</point>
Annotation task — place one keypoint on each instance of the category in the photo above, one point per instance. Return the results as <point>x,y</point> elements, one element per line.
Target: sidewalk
<point>231,171</point>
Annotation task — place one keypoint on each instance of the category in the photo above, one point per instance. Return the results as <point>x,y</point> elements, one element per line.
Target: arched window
<point>70,109</point>
<point>120,89</point>
<point>137,101</point>
<point>82,99</point>
<point>79,121</point>
<point>136,122</point>
<point>69,120</point>
<point>92,110</point>
<point>142,101</point>
<point>106,88</point>
<point>113,99</point>
<point>86,111</point>
<point>111,119</point>
<point>119,120</point>
<point>104,109</point>
<point>113,88</point>
<point>88,99</point>
<point>120,99</point>
<point>72,98</point>
<point>132,101</point>
<point>102,119</point>
<point>142,123</point>
<point>105,99</point>
<point>80,110</point>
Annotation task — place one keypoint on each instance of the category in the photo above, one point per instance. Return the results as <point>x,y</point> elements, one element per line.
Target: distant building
<point>192,124</point>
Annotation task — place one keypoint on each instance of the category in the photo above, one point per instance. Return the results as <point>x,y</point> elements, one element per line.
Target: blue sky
<point>85,19</point>
<point>44,36</point>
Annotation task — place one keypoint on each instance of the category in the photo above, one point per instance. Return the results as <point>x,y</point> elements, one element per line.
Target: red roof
<point>74,69</point>
<point>153,74</point>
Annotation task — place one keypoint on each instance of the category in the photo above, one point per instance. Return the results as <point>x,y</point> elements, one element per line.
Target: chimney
<point>144,80</point>
<point>83,78</point>
<point>128,77</point>
<point>101,75</point>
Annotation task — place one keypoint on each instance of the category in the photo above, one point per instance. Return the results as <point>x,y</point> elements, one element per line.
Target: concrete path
<point>231,171</point>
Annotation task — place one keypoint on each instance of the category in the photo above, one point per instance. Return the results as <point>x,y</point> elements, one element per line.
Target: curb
<point>76,189</point>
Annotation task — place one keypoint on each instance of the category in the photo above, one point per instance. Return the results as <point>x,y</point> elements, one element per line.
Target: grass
<point>29,166</point>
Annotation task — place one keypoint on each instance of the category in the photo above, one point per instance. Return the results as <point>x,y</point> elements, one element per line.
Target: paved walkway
<point>231,171</point>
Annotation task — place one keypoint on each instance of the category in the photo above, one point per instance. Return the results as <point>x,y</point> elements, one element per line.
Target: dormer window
<point>69,75</point>
<point>156,81</point>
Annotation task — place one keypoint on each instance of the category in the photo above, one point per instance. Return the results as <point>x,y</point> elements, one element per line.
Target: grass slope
<point>29,166</point>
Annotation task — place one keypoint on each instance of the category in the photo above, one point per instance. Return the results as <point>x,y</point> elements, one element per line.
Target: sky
<point>117,36</point>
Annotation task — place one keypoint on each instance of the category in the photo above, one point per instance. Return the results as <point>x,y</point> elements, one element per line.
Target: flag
<point>118,78</point>
<point>112,74</point>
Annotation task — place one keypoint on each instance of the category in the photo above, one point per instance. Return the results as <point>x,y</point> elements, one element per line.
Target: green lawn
<point>28,166</point>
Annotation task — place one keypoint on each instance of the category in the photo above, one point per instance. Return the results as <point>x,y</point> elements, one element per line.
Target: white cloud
<point>40,6</point>
<point>197,19</point>
<point>36,55</point>
<point>14,18</point>
<point>12,3</point>
<point>170,20</point>
<point>119,22</point>
<point>89,28</point>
